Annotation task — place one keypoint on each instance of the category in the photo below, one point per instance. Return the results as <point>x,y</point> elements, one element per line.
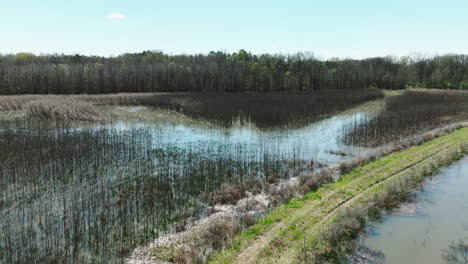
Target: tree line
<point>155,71</point>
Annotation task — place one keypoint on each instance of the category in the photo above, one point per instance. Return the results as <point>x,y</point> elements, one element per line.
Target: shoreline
<point>175,245</point>
<point>287,226</point>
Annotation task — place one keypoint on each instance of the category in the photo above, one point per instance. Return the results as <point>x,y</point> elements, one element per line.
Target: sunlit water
<point>147,176</point>
<point>320,141</point>
<point>440,219</point>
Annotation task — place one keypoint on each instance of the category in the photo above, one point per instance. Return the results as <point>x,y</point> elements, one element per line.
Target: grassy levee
<point>281,235</point>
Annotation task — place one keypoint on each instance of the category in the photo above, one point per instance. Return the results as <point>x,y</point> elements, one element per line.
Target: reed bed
<point>118,99</point>
<point>411,113</point>
<point>71,195</point>
<point>69,107</point>
<point>226,109</point>
<point>87,196</point>
<point>16,102</point>
<point>265,109</point>
<point>19,102</point>
<point>61,109</point>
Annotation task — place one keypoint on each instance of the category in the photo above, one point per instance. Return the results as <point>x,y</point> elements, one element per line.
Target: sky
<point>327,28</point>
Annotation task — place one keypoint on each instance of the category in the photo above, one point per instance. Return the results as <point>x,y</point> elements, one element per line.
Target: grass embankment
<point>283,234</point>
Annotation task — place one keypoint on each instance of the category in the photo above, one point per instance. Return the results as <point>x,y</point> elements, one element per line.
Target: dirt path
<point>280,240</point>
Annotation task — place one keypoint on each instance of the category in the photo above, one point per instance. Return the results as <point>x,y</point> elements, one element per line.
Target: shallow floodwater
<point>128,182</point>
<point>319,141</point>
<point>439,217</point>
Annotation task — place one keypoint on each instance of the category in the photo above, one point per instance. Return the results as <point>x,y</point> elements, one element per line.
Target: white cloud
<point>116,16</point>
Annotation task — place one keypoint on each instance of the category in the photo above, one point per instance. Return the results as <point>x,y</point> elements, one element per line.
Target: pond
<point>423,231</point>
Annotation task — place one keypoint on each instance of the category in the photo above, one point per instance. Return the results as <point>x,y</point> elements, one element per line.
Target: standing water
<point>423,232</point>
<point>95,193</point>
<point>320,141</point>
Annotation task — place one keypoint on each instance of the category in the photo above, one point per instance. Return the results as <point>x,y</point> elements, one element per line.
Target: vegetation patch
<point>101,192</point>
<point>319,220</point>
<point>410,113</point>
<point>265,109</point>
<point>61,109</point>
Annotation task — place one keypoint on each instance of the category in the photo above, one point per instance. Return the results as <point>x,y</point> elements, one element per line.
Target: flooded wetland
<point>83,191</point>
<point>230,132</point>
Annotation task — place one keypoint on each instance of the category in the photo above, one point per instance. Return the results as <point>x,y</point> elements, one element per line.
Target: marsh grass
<point>356,181</point>
<point>87,195</point>
<point>226,109</point>
<point>119,98</point>
<point>264,109</point>
<point>62,109</point>
<point>18,102</point>
<point>411,113</point>
<point>69,107</point>
<point>15,102</point>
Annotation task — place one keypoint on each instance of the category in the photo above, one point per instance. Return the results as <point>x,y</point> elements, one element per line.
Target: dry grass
<point>118,99</point>
<point>221,231</point>
<point>61,109</point>
<point>231,193</point>
<point>16,102</point>
<point>68,107</point>
<point>312,183</point>
<point>263,110</point>
<point>208,237</point>
<point>228,194</point>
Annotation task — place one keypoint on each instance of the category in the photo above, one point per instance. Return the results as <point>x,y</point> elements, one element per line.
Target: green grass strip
<point>278,236</point>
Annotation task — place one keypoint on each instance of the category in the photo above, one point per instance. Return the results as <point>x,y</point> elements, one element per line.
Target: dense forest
<point>154,71</point>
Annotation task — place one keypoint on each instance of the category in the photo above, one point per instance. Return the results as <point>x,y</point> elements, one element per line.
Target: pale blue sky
<point>347,28</point>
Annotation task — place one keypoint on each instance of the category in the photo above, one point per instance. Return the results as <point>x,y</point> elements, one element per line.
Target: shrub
<point>221,231</point>
<point>227,194</point>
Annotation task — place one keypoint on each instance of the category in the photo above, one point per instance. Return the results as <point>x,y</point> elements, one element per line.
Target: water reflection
<point>318,141</point>
<point>129,181</point>
<point>422,237</point>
